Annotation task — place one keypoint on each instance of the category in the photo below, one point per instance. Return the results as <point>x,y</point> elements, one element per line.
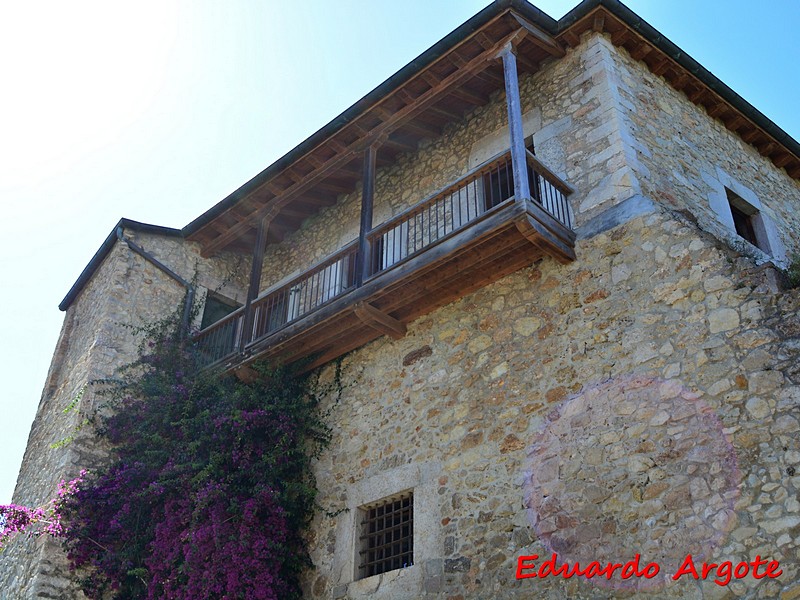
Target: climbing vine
<point>208,486</point>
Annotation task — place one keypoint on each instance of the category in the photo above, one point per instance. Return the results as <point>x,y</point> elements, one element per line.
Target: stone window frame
<point>422,480</point>
<point>728,191</point>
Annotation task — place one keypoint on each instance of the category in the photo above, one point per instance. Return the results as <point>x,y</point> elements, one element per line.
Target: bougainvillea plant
<point>208,487</point>
<point>16,519</point>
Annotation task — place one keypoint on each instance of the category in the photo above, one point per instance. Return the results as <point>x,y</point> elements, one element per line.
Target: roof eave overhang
<point>99,256</point>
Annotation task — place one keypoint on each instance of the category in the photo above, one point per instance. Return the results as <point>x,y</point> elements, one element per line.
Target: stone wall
<point>642,399</point>
<point>685,159</point>
<point>94,342</point>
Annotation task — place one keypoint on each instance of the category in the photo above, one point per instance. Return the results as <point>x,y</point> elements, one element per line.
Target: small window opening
<point>746,220</point>
<point>217,307</point>
<point>387,535</point>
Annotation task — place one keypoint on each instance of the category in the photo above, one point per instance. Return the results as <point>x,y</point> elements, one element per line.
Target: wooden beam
<point>783,159</point>
<point>736,122</point>
<point>484,40</point>
<point>405,96</point>
<point>445,113</point>
<point>363,260</point>
<point>680,81</point>
<point>490,78</point>
<point>619,37</point>
<point>599,22</point>
<point>641,51</point>
<point>571,38</point>
<point>717,110</point>
<point>539,37</point>
<point>698,93</point>
<point>339,188</point>
<point>430,78</point>
<point>519,160</point>
<point>751,136</point>
<point>255,282</point>
<point>376,319</point>
<point>660,67</point>
<point>401,145</point>
<point>767,148</point>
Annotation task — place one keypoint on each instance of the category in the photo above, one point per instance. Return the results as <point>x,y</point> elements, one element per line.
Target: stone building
<point>547,254</point>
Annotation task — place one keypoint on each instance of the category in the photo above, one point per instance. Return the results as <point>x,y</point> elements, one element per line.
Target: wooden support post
<point>522,191</point>
<point>364,261</point>
<point>255,283</point>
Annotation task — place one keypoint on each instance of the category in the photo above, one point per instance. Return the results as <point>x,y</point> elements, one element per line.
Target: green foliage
<point>73,406</point>
<point>209,486</point>
<point>793,272</point>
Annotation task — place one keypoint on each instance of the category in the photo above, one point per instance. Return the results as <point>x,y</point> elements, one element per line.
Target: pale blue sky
<point>156,110</point>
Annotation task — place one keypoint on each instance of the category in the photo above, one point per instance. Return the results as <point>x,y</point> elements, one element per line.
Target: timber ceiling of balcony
<point>458,81</point>
<point>454,76</point>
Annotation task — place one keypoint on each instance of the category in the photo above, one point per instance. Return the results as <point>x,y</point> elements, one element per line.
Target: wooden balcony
<point>463,237</point>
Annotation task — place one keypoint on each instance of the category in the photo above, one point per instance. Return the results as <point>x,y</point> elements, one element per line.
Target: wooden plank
<point>429,259</point>
<point>717,110</point>
<point>469,96</point>
<point>537,233</point>
<point>478,266</point>
<point>336,335</point>
<point>660,66</point>
<point>699,91</point>
<point>422,129</point>
<point>380,321</point>
<point>752,135</point>
<point>407,293</point>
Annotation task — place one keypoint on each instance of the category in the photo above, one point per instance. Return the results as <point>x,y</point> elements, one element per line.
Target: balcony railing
<point>485,190</point>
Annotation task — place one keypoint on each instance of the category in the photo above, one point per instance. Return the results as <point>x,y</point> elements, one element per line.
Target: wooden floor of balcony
<point>498,245</point>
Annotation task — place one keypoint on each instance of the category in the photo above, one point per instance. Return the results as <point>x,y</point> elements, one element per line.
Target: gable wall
<point>95,340</point>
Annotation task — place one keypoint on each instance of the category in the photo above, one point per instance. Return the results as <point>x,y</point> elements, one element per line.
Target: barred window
<point>387,535</point>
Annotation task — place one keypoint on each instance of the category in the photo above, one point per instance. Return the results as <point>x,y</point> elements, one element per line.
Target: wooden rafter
<point>545,41</point>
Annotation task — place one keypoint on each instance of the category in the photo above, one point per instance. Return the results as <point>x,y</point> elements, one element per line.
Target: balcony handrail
<point>323,264</point>
<point>479,171</point>
<point>542,169</point>
<point>219,322</point>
